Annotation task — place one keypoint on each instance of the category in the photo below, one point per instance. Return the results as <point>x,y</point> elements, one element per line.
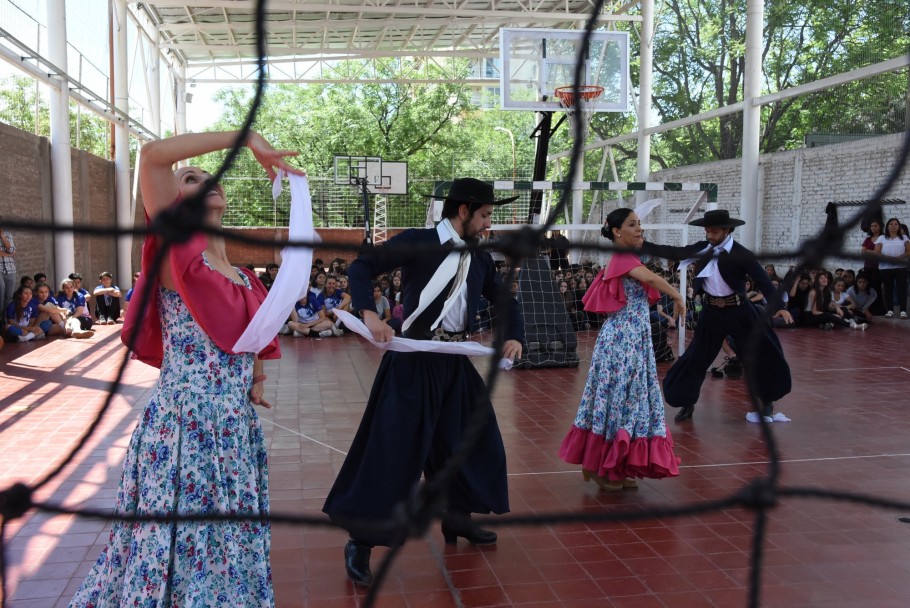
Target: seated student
<point>107,300</point>
<point>308,318</point>
<point>27,281</point>
<point>335,299</point>
<point>50,315</point>
<point>39,278</point>
<point>383,309</point>
<point>822,311</point>
<point>385,285</point>
<point>79,324</point>
<point>21,320</point>
<point>849,278</point>
<point>76,278</point>
<point>317,285</point>
<point>860,299</point>
<point>798,298</point>
<point>780,314</point>
<point>129,296</point>
<point>752,294</point>
<point>268,277</point>
<point>343,282</point>
<point>839,296</point>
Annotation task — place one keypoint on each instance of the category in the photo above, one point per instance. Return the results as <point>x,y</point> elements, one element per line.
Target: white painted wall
<point>795,186</point>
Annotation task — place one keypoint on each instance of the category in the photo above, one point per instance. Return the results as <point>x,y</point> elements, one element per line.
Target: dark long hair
<point>615,220</point>
<point>17,298</point>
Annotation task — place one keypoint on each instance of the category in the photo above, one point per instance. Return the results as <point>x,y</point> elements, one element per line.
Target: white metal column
<point>122,144</point>
<point>154,79</point>
<point>751,121</point>
<point>61,164</point>
<point>180,101</point>
<point>643,166</point>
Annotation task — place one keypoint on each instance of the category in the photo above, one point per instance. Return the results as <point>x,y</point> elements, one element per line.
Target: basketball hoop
<point>584,93</point>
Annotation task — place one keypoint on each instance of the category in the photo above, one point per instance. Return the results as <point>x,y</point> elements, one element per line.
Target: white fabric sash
<point>293,276</point>
<point>407,345</point>
<point>455,264</point>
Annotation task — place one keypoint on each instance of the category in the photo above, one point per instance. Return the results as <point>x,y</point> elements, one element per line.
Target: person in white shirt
<point>893,250</point>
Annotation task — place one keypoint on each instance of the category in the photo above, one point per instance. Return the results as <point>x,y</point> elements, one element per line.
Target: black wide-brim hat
<point>717,218</point>
<point>473,192</point>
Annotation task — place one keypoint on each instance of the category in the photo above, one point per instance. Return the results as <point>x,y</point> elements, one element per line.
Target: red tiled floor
<point>849,432</point>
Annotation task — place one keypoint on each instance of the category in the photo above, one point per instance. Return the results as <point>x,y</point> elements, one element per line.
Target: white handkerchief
<point>291,281</point>
<point>407,345</point>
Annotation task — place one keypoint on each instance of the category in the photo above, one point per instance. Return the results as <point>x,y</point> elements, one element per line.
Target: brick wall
<point>243,253</point>
<point>794,187</point>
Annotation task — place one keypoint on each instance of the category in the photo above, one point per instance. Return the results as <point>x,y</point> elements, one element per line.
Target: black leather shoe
<point>357,563</point>
<point>460,524</point>
<point>685,413</point>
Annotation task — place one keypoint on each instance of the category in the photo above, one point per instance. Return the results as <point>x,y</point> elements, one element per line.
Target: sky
<point>87,32</point>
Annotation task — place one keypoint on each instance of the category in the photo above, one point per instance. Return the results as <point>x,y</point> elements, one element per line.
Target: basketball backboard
<point>383,177</point>
<point>537,61</point>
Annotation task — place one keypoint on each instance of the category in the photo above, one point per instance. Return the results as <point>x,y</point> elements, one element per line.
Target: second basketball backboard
<point>382,177</point>
<point>537,61</point>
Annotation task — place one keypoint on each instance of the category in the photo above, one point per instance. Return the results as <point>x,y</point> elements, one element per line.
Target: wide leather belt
<point>732,300</point>
<point>437,335</point>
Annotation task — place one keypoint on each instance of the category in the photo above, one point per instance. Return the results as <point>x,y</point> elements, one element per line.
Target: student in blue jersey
<point>50,315</point>
<point>22,317</point>
<point>76,278</point>
<point>317,287</point>
<point>335,299</point>
<point>129,296</point>
<point>308,318</point>
<point>80,321</point>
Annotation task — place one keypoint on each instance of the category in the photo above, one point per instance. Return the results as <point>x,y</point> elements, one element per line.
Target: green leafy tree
<point>24,108</point>
<point>699,63</point>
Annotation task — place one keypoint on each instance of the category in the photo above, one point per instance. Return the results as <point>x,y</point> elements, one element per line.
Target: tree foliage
<point>437,129</point>
<point>23,107</point>
<point>699,64</point>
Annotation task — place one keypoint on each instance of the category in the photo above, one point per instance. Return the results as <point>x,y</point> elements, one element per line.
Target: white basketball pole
<point>751,121</point>
<point>61,165</point>
<point>122,182</point>
<point>643,168</point>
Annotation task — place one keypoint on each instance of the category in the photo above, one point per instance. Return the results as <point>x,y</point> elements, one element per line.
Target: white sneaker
<point>325,333</point>
<point>41,337</point>
<point>889,314</point>
<point>81,335</point>
<point>754,417</point>
<point>903,315</point>
<point>852,323</point>
<point>337,331</point>
<point>861,326</point>
<point>778,417</point>
<point>297,334</point>
<point>285,330</point>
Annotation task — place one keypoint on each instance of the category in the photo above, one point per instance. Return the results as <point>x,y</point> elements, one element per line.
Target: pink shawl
<point>606,293</point>
<point>201,288</point>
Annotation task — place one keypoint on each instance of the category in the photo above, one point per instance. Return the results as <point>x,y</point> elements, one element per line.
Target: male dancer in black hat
<point>421,404</point>
<point>721,268</point>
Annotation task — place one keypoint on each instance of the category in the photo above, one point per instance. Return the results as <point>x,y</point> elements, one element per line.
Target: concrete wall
<point>796,186</point>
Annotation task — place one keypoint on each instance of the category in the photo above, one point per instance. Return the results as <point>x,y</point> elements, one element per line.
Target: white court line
<point>732,464</point>
<point>691,466</point>
<point>316,441</point>
<point>858,369</point>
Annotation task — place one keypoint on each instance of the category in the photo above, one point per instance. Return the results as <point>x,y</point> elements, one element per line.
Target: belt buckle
<point>720,302</point>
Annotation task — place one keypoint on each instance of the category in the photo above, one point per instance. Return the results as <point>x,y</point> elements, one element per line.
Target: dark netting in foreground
<point>414,516</point>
